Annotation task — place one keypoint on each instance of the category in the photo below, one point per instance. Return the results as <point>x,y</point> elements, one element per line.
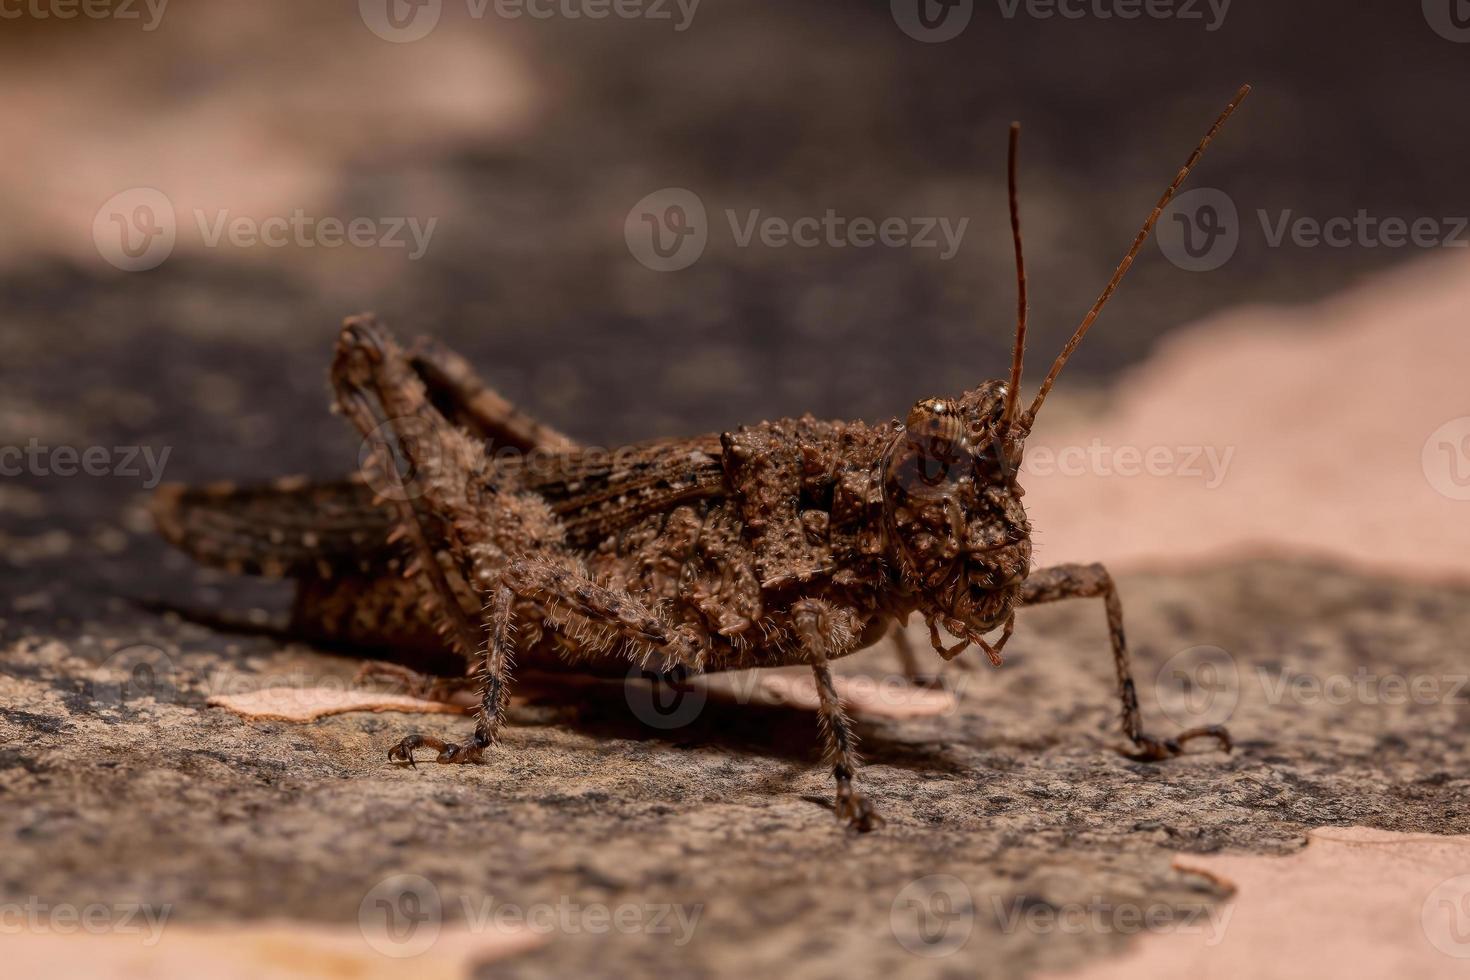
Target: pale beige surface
<point>1325,412</point>
<point>863,696</point>
<point>301,704</point>
<point>1356,902</point>
<point>257,951</point>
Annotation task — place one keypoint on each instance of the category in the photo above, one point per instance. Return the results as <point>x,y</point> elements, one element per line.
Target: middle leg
<point>542,586</point>
<point>814,627</point>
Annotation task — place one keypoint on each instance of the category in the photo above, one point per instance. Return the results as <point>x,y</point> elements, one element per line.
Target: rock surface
<point>119,784</point>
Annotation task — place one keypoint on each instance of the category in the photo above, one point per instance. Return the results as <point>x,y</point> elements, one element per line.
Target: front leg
<point>817,626</point>
<point>1091,581</point>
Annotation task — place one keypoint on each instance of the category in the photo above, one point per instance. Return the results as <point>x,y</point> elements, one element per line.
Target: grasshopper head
<point>957,531</point>
<point>952,508</point>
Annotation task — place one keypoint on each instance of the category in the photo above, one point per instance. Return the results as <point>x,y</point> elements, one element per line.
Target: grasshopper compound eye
<point>935,428</point>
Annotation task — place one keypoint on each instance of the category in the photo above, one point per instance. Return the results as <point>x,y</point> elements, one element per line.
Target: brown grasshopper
<point>789,542</point>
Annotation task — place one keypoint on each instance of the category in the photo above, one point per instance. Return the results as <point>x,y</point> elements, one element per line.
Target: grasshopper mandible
<point>796,541</point>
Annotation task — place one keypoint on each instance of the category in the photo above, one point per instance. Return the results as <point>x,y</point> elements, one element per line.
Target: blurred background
<point>645,218</point>
<point>496,160</point>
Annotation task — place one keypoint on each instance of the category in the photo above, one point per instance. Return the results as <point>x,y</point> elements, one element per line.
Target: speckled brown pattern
<point>797,541</point>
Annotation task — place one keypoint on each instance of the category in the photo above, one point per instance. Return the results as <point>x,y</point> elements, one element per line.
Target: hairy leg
<point>1093,581</point>
<point>370,374</point>
<point>451,492</point>
<point>908,661</point>
<point>604,617</point>
<point>814,628</point>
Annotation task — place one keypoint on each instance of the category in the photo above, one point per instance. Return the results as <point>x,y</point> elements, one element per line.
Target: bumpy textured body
<point>475,530</point>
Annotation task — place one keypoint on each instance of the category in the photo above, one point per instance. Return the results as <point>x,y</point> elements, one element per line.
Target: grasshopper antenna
<point>1122,270</point>
<point>1018,352</point>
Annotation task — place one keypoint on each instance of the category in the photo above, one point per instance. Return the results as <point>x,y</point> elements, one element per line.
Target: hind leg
<point>441,466</point>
